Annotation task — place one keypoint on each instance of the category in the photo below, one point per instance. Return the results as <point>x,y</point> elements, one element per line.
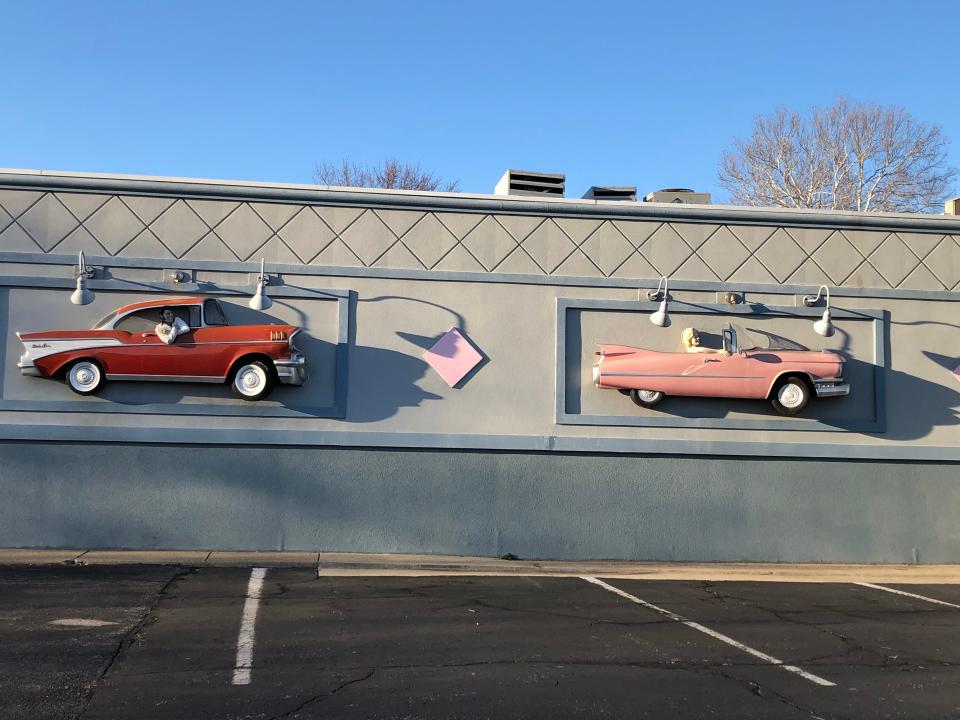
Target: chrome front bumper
<point>831,388</point>
<point>292,371</point>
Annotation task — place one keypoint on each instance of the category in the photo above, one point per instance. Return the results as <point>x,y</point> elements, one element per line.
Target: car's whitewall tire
<point>85,377</point>
<point>252,381</point>
<point>646,398</point>
<point>791,395</point>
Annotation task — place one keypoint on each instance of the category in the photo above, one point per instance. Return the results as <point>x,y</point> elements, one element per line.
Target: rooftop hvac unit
<point>525,182</point>
<point>678,195</point>
<point>611,192</point>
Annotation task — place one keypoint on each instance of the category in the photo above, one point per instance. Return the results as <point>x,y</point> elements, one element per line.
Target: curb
<point>390,565</point>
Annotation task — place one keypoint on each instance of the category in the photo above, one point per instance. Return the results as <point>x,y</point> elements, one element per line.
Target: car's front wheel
<point>252,380</point>
<point>646,398</point>
<point>791,395</point>
<point>85,377</point>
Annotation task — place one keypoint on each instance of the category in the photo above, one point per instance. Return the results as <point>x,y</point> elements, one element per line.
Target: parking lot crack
<point>765,692</point>
<point>130,637</point>
<point>322,696</point>
<point>850,646</point>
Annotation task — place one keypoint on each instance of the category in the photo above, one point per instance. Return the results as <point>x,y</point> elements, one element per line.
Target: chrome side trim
<point>228,342</point>
<point>693,376</point>
<point>168,378</point>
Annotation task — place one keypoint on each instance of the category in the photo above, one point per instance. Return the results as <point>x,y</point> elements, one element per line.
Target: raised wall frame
<point>336,410</point>
<point>878,319</point>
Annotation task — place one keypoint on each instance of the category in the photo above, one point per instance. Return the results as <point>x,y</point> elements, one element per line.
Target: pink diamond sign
<point>452,357</point>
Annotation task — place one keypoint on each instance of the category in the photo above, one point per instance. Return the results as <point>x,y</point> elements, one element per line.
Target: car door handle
<point>146,335</point>
<point>706,360</point>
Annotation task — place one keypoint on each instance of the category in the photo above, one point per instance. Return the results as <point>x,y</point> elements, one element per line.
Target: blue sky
<point>646,94</point>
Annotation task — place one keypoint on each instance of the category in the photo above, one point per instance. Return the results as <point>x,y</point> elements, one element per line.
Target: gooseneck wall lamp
<point>823,326</point>
<point>83,295</point>
<point>260,299</point>
<point>660,318</point>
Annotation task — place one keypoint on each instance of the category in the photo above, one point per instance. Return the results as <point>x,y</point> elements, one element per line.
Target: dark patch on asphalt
<point>494,647</point>
<point>50,671</point>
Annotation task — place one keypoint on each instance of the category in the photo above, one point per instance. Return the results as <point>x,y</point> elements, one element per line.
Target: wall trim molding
<point>428,275</point>
<point>47,181</point>
<point>508,443</point>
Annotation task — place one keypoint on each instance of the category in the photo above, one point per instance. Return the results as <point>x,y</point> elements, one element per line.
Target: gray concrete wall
<point>377,277</point>
<point>544,505</point>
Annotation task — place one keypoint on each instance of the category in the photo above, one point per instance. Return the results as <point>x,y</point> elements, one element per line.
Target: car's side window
<point>147,320</point>
<point>140,321</point>
<point>213,313</point>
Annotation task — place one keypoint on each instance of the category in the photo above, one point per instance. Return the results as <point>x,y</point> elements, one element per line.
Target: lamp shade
<point>260,299</point>
<point>82,295</point>
<point>660,318</point>
<point>824,326</point>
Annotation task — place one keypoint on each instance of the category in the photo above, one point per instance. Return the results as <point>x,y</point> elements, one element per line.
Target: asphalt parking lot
<point>183,642</point>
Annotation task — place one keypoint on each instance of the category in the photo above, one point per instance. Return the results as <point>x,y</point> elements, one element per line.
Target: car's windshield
<point>757,339</point>
<point>103,322</point>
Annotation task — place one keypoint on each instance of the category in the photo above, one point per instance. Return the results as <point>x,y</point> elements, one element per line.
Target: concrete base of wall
<point>546,505</point>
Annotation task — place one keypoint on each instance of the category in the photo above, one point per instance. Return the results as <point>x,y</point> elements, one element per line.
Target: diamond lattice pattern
<point>127,226</point>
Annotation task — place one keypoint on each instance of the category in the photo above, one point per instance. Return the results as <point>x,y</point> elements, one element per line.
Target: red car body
<point>125,346</point>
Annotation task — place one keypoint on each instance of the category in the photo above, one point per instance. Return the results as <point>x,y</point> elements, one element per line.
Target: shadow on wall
<point>386,380</point>
<point>929,405</point>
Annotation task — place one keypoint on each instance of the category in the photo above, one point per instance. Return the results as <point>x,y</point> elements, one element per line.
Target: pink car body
<point>752,373</point>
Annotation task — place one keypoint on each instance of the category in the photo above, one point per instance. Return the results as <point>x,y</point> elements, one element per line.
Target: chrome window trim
<point>118,318</point>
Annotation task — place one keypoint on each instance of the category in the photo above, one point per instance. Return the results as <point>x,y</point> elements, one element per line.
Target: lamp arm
<point>811,300</point>
<point>654,294</point>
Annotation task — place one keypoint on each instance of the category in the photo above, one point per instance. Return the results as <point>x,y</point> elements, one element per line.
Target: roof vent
<point>612,192</point>
<point>678,195</point>
<point>524,182</point>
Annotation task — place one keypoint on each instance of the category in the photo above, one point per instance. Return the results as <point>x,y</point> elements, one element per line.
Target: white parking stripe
<point>906,594</point>
<point>713,633</point>
<point>244,664</point>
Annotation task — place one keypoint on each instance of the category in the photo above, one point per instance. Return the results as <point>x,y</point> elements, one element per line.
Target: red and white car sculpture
<point>783,372</point>
<point>124,346</point>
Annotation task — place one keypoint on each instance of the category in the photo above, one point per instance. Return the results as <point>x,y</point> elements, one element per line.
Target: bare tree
<point>390,174</point>
<point>850,156</point>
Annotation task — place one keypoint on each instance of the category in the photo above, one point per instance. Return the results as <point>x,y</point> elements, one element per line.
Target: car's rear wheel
<point>646,398</point>
<point>85,377</point>
<point>791,395</point>
<point>252,380</point>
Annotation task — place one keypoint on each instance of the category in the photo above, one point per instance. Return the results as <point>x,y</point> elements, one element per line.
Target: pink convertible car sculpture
<point>784,373</point>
